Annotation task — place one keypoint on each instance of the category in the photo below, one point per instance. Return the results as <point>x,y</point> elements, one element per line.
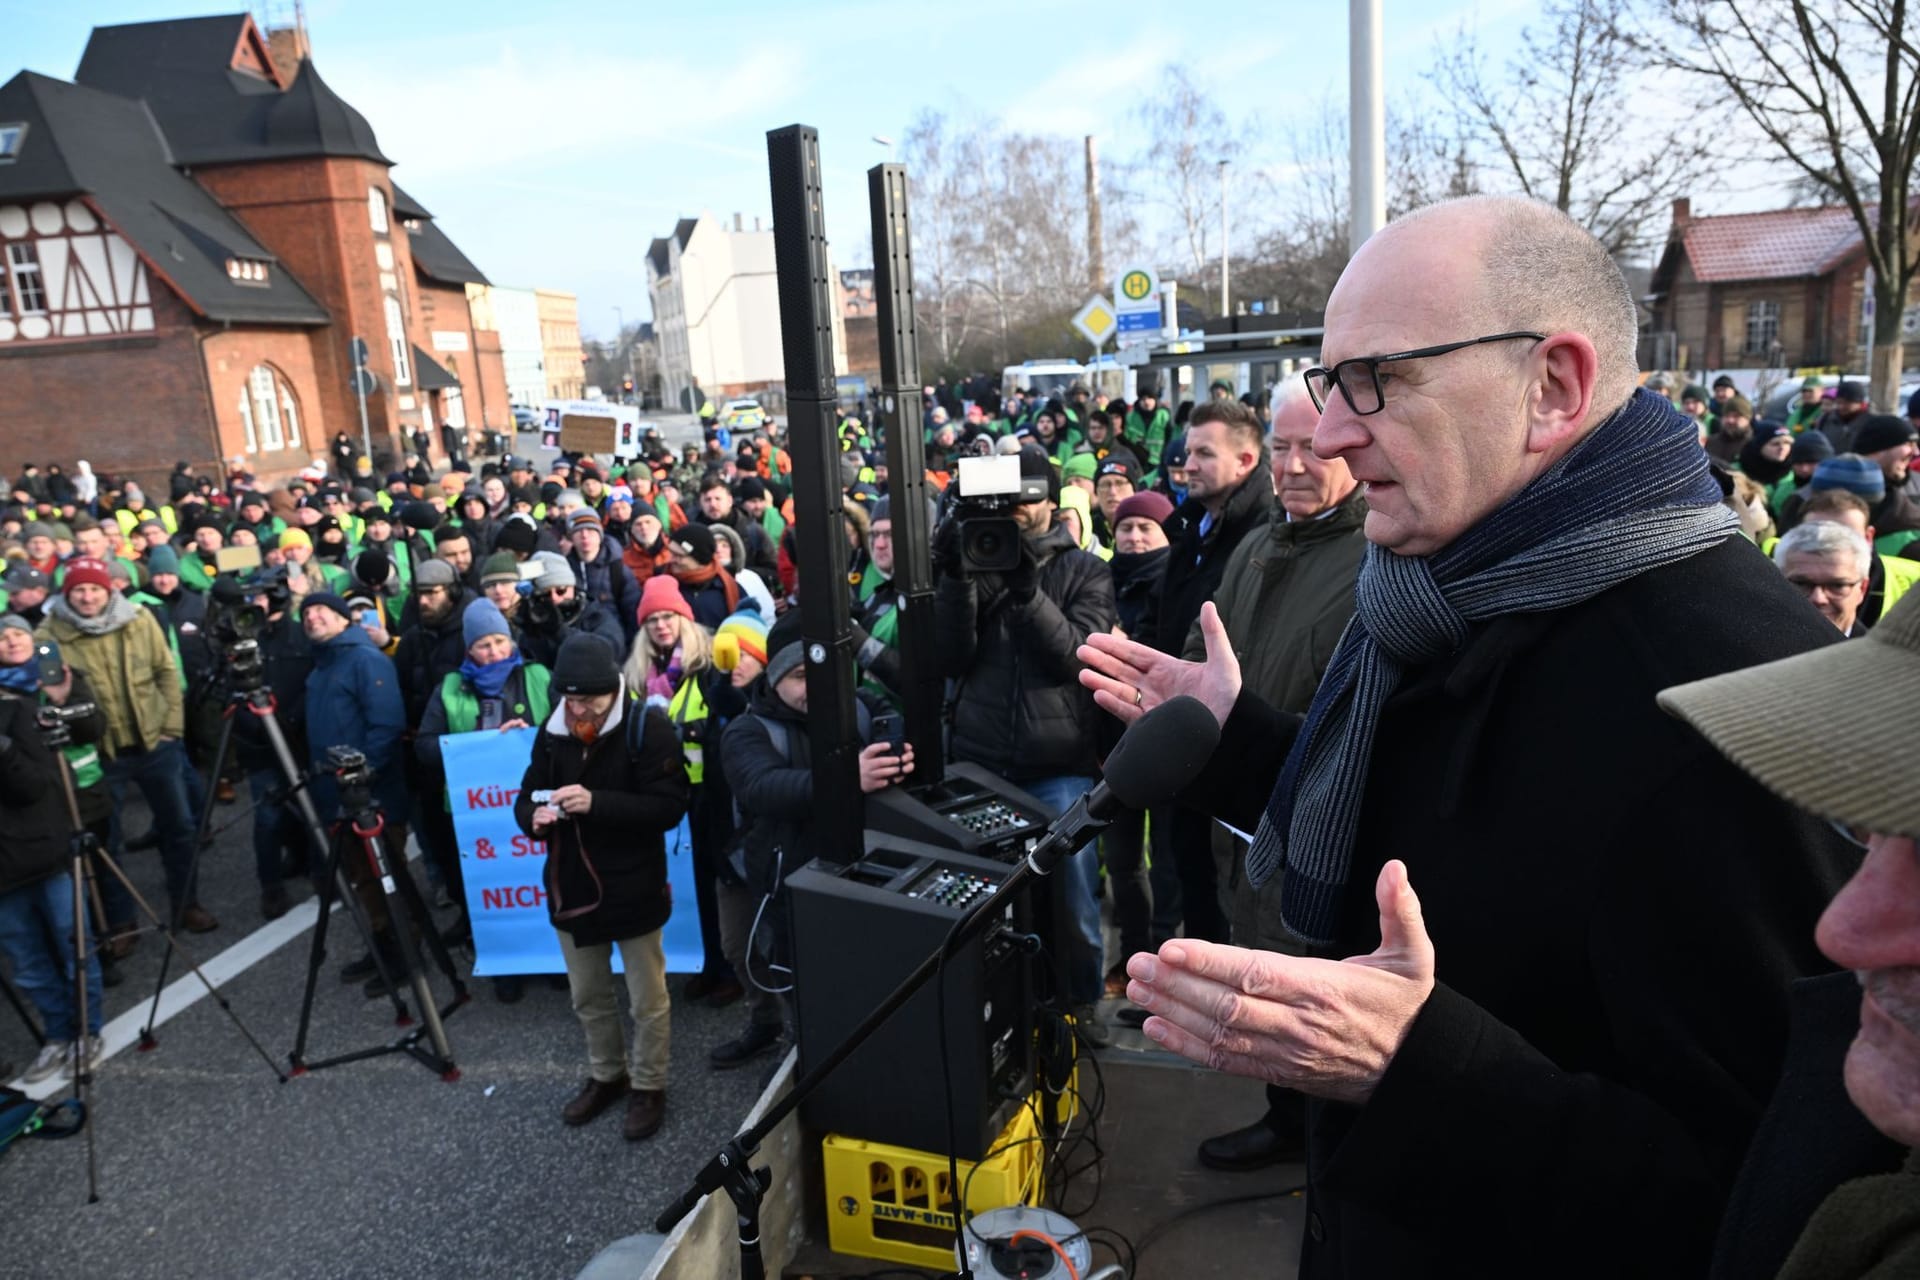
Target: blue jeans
<point>277,827</point>
<point>1076,899</point>
<point>36,933</point>
<point>161,776</point>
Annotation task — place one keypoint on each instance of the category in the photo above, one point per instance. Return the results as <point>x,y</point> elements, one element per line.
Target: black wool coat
<point>611,860</point>
<point>1617,913</point>
<point>1197,561</point>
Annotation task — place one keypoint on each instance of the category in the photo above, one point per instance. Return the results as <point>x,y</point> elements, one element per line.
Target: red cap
<point>86,569</point>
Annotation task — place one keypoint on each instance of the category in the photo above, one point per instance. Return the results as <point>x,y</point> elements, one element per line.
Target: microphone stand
<point>730,1169</point>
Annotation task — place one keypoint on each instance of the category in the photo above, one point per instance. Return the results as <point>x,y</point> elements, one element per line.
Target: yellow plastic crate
<point>895,1203</point>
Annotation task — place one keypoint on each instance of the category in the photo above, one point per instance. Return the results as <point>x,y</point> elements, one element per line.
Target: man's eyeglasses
<point>1359,378</point>
<point>1837,587</point>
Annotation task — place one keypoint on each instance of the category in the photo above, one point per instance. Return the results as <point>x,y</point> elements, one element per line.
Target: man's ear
<point>1565,368</point>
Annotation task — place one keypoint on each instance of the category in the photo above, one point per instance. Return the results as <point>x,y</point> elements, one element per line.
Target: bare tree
<point>939,163</point>
<point>1834,88</point>
<point>1187,138</point>
<point>1560,124</point>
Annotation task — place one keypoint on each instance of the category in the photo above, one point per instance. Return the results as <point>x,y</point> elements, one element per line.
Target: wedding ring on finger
<point>1139,696</point>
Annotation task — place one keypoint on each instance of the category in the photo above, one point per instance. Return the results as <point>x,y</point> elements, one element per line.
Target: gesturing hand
<point>1129,679</point>
<point>1325,1027</point>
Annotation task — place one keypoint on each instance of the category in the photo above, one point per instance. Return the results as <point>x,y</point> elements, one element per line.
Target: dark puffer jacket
<point>605,580</point>
<point>610,863</point>
<point>1020,709</point>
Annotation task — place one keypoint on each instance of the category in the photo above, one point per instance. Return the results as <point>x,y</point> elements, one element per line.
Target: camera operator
<point>36,873</point>
<point>286,659</point>
<point>353,700</point>
<point>124,652</point>
<point>1009,640</point>
<point>558,609</point>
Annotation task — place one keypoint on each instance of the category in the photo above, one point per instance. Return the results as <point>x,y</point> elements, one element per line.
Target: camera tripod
<point>249,694</point>
<point>85,851</point>
<point>360,835</point>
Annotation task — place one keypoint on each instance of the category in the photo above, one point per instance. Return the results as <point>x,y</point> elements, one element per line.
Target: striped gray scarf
<point>1634,495</point>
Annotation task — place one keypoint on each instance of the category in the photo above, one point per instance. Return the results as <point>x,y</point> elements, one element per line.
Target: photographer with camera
<point>36,870</point>
<point>124,652</point>
<point>353,700</point>
<point>1016,598</point>
<point>557,609</point>
<point>281,659</point>
<point>603,793</point>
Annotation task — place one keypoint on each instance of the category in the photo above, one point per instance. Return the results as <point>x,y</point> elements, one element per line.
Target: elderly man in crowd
<point>1831,1186</point>
<point>1829,564</point>
<point>1555,1056</point>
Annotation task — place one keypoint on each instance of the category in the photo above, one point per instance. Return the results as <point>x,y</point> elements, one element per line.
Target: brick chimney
<point>1682,212</point>
<point>288,45</point>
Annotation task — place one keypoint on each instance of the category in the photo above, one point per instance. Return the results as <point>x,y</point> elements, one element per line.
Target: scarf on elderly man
<point>1634,495</point>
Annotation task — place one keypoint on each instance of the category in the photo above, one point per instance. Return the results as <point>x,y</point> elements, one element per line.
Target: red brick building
<point>191,235</point>
<point>1780,288</point>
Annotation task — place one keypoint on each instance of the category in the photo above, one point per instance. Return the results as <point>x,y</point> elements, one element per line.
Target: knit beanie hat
<point>1853,473</point>
<point>785,647</point>
<point>662,595</point>
<point>328,600</point>
<point>294,538</point>
<point>1119,463</point>
<point>586,666</point>
<point>500,567</point>
<point>1079,467</point>
<point>554,571</point>
<point>1882,431</point>
<point>14,622</point>
<point>1151,505</point>
<point>747,628</point>
<point>517,534</point>
<point>163,559</point>
<point>1738,405</point>
<point>419,516</point>
<point>39,529</point>
<point>483,618</point>
<point>432,573</point>
<point>85,570</point>
<point>1694,391</point>
<point>695,541</point>
<point>748,489</point>
<point>1811,447</point>
<point>585,518</point>
<point>1035,465</point>
<point>371,567</point>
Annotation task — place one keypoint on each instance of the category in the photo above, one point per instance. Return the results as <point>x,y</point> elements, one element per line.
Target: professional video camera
<point>235,622</point>
<point>350,769</point>
<point>989,490</point>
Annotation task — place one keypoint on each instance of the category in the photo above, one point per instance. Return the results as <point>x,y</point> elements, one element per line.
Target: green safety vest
<point>687,706</point>
<point>463,704</point>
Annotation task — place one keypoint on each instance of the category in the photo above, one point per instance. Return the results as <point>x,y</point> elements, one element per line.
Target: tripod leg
<point>147,1040</point>
<point>401,919</point>
<point>173,943</point>
<point>416,902</point>
<point>83,1010</point>
<point>316,956</point>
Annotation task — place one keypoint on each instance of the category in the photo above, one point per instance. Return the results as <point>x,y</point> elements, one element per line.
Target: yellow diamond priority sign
<point>1095,320</point>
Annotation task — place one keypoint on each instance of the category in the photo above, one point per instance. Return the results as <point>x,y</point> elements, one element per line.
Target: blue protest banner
<point>504,868</point>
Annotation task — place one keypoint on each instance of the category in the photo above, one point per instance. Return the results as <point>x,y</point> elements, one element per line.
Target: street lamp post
<point>1225,296</point>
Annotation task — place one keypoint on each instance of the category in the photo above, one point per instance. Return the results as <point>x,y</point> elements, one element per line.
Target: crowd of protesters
<point>641,616</point>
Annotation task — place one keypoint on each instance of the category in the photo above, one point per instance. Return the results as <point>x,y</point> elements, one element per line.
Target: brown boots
<point>645,1107</point>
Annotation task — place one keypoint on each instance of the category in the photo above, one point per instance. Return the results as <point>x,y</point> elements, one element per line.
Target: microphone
<point>1153,761</point>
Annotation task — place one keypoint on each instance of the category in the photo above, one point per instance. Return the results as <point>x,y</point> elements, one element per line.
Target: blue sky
<point>554,141</point>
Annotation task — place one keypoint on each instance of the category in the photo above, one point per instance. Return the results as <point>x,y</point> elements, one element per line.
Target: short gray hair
<point>1825,538</point>
<point>1544,272</point>
<point>1288,394</point>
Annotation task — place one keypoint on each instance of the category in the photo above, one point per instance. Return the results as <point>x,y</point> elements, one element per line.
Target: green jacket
<point>532,702</point>
<point>131,669</point>
<point>1149,435</point>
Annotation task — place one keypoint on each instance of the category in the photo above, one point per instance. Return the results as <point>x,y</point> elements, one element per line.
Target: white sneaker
<point>50,1061</point>
<point>93,1054</point>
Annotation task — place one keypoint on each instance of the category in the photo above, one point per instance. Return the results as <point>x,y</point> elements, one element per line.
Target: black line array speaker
<point>858,930</point>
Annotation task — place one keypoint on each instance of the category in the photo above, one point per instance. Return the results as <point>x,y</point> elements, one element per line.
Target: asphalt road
<point>210,1167</point>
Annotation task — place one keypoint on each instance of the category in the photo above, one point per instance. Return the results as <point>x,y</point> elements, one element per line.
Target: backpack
<point>23,1117</point>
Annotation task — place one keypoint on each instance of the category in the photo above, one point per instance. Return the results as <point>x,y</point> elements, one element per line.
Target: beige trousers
<point>595,1002</point>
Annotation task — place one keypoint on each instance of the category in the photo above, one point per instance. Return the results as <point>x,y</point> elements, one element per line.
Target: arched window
<point>397,340</point>
<point>269,414</point>
<point>377,209</point>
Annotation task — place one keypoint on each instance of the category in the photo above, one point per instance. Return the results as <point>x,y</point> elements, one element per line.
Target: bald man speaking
<point>1550,933</point>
